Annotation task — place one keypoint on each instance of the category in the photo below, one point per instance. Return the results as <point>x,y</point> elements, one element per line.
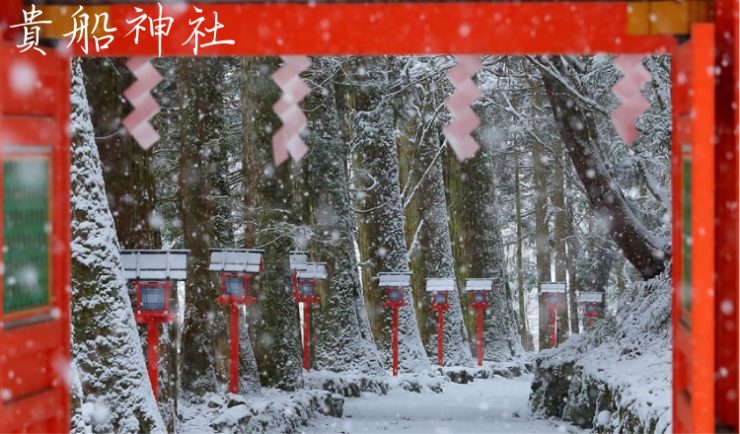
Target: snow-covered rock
<point>423,382</point>
<point>270,411</point>
<point>465,374</point>
<point>616,378</point>
<point>349,384</point>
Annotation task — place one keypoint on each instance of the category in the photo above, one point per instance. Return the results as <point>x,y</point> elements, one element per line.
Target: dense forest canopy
<point>553,194</point>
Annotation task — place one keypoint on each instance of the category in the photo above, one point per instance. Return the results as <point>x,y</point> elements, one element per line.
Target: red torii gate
<point>705,152</point>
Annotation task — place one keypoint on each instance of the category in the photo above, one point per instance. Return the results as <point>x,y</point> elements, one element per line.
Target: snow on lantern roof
<point>298,260</point>
<point>312,270</point>
<point>236,260</point>
<point>552,286</point>
<point>590,297</point>
<point>394,280</point>
<point>478,284</point>
<point>155,264</point>
<point>440,284</point>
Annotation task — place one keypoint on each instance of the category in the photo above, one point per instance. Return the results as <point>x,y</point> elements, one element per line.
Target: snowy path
<point>485,406</point>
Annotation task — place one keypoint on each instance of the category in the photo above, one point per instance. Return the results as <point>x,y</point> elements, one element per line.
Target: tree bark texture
<point>274,323</point>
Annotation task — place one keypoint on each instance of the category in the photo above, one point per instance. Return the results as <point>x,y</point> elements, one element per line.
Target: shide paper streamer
<point>464,120</point>
<point>287,140</point>
<point>140,97</point>
<point>627,90</point>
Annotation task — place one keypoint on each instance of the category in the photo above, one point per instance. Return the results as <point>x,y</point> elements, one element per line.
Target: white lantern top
<point>443,284</point>
<point>155,264</point>
<point>298,260</point>
<point>394,280</point>
<point>478,284</point>
<point>590,297</point>
<point>312,270</point>
<point>552,287</point>
<point>236,260</point>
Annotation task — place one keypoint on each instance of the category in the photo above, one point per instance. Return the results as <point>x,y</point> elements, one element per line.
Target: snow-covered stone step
<point>270,411</point>
<point>467,374</point>
<point>348,384</point>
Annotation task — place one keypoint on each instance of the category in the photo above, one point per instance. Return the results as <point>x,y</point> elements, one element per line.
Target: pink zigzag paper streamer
<point>145,106</point>
<point>287,140</point>
<point>464,119</point>
<point>627,90</point>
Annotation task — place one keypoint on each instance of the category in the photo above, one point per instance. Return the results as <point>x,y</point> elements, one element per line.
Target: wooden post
<point>234,353</point>
<point>306,336</point>
<point>479,313</point>
<point>394,341</point>
<point>152,355</point>
<point>440,337</point>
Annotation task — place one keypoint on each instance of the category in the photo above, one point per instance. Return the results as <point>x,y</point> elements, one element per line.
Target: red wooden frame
<point>145,316</point>
<point>39,400</point>
<point>440,308</point>
<point>249,297</point>
<point>395,28</point>
<point>298,296</point>
<point>502,28</point>
<point>395,304</point>
<point>484,304</point>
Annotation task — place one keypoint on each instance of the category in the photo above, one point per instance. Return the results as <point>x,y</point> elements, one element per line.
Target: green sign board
<point>26,233</point>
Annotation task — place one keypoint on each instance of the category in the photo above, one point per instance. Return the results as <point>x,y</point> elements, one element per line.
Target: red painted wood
<point>234,352</point>
<point>479,328</point>
<point>152,355</point>
<point>702,231</point>
<point>693,346</point>
<point>34,358</point>
<point>727,183</point>
<point>36,413</point>
<point>395,28</point>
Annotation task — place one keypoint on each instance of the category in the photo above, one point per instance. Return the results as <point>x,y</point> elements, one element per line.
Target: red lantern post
<point>153,309</point>
<point>394,285</point>
<point>304,277</point>
<point>154,272</point>
<point>236,267</point>
<point>439,289</point>
<point>553,295</point>
<point>479,289</point>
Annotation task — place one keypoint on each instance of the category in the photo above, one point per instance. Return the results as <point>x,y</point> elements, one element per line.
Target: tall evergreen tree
<point>381,220</point>
<point>524,332</point>
<point>479,250</point>
<point>427,227</point>
<point>342,340</point>
<point>270,224</point>
<point>131,191</point>
<point>201,124</point>
<point>107,349</point>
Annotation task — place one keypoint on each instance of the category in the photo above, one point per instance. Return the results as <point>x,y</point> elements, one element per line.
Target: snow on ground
<point>496,405</point>
<point>270,411</point>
